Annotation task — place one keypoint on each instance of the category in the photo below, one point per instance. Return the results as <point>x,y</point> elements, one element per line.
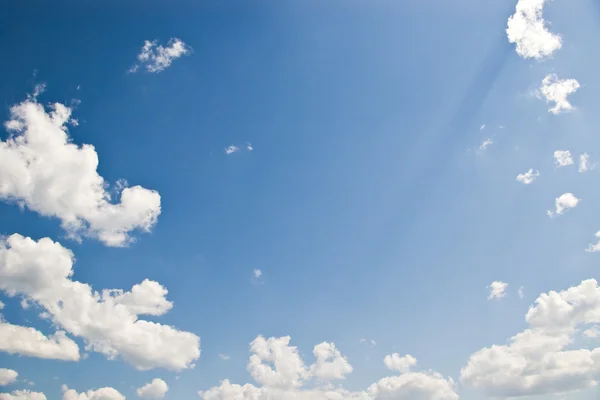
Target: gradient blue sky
<point>365,202</point>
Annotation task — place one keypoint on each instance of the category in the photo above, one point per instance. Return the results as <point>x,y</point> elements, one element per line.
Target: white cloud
<point>41,169</point>
<point>528,177</point>
<point>563,203</point>
<point>24,395</point>
<point>7,376</point>
<point>281,373</point>
<point>231,149</point>
<point>485,144</point>
<point>153,390</point>
<point>106,393</point>
<point>584,163</point>
<point>497,290</point>
<point>521,294</point>
<point>527,29</point>
<point>557,91</point>
<point>482,127</point>
<point>400,364</point>
<point>537,361</point>
<point>257,273</point>
<point>108,321</point>
<point>30,342</point>
<point>563,158</point>
<point>330,364</point>
<point>249,147</point>
<point>155,58</point>
<point>592,333</point>
<point>594,248</point>
<point>368,341</point>
<point>224,357</point>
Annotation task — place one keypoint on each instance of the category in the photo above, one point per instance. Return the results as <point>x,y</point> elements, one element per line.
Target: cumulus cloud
<point>497,290</point>
<point>584,163</point>
<point>528,177</point>
<point>106,393</point>
<point>557,91</point>
<point>153,390</point>
<point>23,395</point>
<point>563,158</point>
<point>401,364</point>
<point>257,273</point>
<point>7,376</point>
<point>30,342</point>
<point>108,321</point>
<point>563,203</point>
<point>41,169</point>
<point>156,58</point>
<point>594,248</point>
<point>541,359</point>
<point>527,29</point>
<point>282,374</point>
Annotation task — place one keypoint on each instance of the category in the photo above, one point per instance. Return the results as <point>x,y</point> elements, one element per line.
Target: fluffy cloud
<point>155,58</point>
<point>584,163</point>
<point>280,371</point>
<point>563,203</point>
<point>563,158</point>
<point>537,360</point>
<point>41,169</point>
<point>22,395</point>
<point>231,149</point>
<point>485,144</point>
<point>497,290</point>
<point>528,177</point>
<point>594,248</point>
<point>527,29</point>
<point>30,342</point>
<point>108,321</point>
<point>106,393</point>
<point>557,91</point>
<point>257,273</point>
<point>153,390</point>
<point>7,376</point>
<point>401,364</point>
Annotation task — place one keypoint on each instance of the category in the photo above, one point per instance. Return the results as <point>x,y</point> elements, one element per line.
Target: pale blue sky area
<point>365,202</point>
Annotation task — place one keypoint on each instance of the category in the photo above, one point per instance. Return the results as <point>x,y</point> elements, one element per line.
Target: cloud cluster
<point>25,395</point>
<point>106,393</point>
<point>563,158</point>
<point>108,321</point>
<point>154,390</point>
<point>564,202</point>
<point>7,376</point>
<point>541,360</point>
<point>281,373</point>
<point>527,29</point>
<point>557,91</point>
<point>41,169</point>
<point>156,58</point>
<point>528,177</point>
<point>497,290</point>
<point>30,342</point>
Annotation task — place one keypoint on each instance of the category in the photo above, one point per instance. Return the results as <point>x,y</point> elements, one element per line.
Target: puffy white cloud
<point>108,321</point>
<point>231,149</point>
<point>592,333</point>
<point>594,248</point>
<point>527,29</point>
<point>257,273</point>
<point>7,376</point>
<point>153,390</point>
<point>286,379</point>
<point>106,393</point>
<point>30,342</point>
<point>528,177</point>
<point>485,144</point>
<point>563,158</point>
<point>537,360</point>
<point>22,395</point>
<point>497,290</point>
<point>557,91</point>
<point>563,203</point>
<point>330,364</point>
<point>401,364</point>
<point>584,163</point>
<point>155,58</point>
<point>41,169</point>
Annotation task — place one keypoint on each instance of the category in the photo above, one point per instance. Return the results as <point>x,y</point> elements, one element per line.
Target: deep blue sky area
<point>366,201</point>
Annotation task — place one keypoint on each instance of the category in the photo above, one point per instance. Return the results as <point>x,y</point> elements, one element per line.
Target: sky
<point>339,200</point>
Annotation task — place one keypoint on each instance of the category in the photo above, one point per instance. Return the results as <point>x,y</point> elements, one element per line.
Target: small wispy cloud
<point>528,177</point>
<point>224,357</point>
<point>249,147</point>
<point>485,144</point>
<point>592,333</point>
<point>231,149</point>
<point>257,273</point>
<point>497,290</point>
<point>369,342</point>
<point>594,248</point>
<point>482,127</point>
<point>584,163</point>
<point>521,294</point>
<point>156,58</point>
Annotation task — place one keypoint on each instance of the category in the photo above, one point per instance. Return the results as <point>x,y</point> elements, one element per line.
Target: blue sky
<point>367,201</point>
